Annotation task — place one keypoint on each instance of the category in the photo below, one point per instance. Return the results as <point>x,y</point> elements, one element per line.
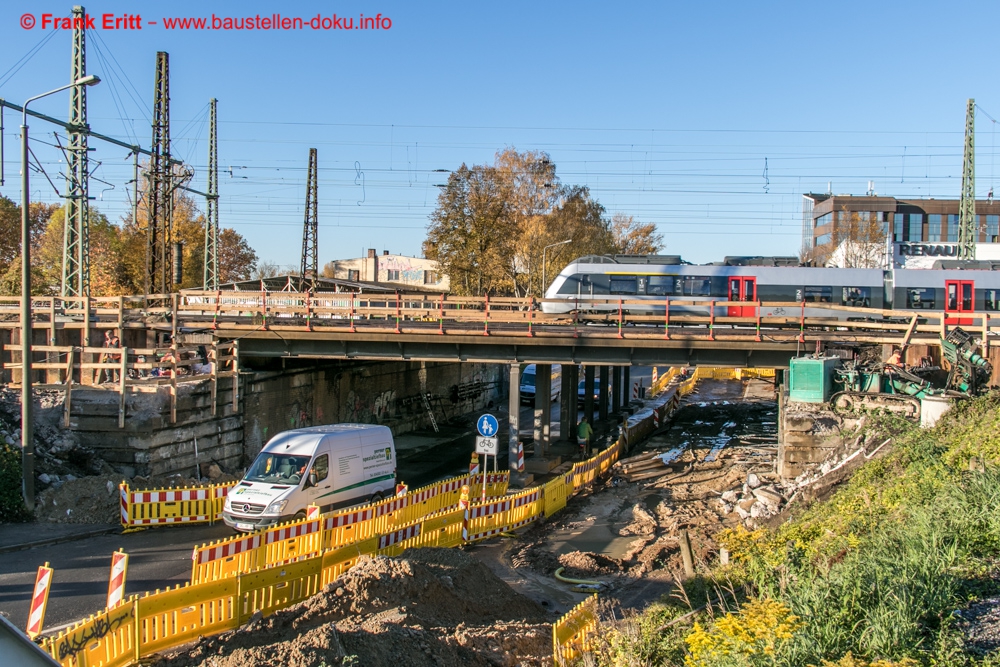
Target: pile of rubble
<point>430,606</point>
<point>754,502</point>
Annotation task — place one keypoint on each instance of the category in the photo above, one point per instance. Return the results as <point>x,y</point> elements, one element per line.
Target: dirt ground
<point>427,607</point>
<point>625,536</point>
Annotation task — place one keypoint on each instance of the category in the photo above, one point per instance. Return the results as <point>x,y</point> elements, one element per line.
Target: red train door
<point>958,298</point>
<point>742,288</point>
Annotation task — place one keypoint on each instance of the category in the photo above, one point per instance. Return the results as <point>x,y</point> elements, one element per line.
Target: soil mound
<point>427,607</point>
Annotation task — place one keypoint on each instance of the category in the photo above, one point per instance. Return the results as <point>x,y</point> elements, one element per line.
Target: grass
<point>871,577</point>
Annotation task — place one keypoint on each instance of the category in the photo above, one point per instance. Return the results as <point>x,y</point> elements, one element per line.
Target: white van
<point>330,466</point>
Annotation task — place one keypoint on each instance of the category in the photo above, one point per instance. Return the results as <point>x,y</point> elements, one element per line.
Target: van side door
<point>318,480</point>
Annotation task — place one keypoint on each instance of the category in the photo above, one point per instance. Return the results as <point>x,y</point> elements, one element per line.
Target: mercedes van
<point>330,466</point>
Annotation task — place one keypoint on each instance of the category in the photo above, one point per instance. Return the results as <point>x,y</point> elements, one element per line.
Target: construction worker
<point>583,433</point>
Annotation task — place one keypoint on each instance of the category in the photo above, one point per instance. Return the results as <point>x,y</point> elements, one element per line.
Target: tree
<point>265,269</point>
<point>108,275</point>
<point>237,260</point>
<point>634,238</point>
<point>857,242</point>
<point>493,222</point>
<point>10,228</point>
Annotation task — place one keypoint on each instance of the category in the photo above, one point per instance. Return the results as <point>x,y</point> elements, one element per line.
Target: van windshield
<point>528,380</point>
<point>274,468</point>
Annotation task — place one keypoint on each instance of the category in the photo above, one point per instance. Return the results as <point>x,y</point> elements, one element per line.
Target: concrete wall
<point>808,434</point>
<point>149,443</point>
<point>386,393</point>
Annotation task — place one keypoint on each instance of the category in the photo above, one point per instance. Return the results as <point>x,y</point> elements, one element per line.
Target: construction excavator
<point>894,386</point>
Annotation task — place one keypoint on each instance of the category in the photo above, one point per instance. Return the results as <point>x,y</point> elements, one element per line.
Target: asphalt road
<point>159,558</point>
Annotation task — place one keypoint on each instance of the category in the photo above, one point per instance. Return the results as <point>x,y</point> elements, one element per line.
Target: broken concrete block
<point>730,496</point>
<point>769,496</point>
<point>753,481</point>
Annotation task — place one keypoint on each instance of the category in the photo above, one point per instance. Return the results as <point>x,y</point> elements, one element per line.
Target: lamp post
<point>544,250</point>
<point>27,436</point>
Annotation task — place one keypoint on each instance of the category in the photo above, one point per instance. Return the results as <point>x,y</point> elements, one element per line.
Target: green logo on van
<point>378,453</point>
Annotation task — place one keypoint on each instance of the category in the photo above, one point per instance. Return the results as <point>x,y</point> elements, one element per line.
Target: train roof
<point>631,259</point>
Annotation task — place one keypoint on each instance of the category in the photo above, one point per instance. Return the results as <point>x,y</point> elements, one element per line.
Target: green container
<point>811,378</point>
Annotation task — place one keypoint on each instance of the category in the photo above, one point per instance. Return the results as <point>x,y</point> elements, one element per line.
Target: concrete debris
<point>753,481</point>
<point>768,496</point>
<point>730,496</point>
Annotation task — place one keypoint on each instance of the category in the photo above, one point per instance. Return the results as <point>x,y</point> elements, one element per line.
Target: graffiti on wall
<point>403,269</point>
<point>371,410</point>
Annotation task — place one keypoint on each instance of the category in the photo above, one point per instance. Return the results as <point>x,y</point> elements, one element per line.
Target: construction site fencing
<point>153,507</point>
<point>570,633</point>
<point>234,579</point>
<point>68,368</point>
<point>307,537</point>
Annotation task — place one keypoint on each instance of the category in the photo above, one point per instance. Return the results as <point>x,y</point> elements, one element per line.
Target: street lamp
<point>27,437</point>
<point>551,245</point>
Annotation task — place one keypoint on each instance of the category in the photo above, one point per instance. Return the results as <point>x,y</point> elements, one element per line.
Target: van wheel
<point>301,514</point>
<point>376,498</point>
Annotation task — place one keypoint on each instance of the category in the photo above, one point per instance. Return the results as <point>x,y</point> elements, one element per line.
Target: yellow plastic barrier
<point>554,493</point>
<point>176,616</point>
<point>297,539</point>
<point>106,639</point>
<point>277,587</point>
<point>341,559</point>
<point>570,633</point>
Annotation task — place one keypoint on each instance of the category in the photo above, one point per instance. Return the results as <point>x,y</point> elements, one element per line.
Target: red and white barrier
<point>656,376</point>
<point>398,536</point>
<point>228,549</point>
<point>474,465</point>
<point>116,584</point>
<point>297,530</point>
<point>39,600</point>
<point>312,512</point>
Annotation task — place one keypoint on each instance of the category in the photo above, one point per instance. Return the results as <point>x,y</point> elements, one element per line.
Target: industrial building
<point>922,230</point>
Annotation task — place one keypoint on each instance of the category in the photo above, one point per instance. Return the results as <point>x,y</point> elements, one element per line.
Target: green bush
<point>12,507</point>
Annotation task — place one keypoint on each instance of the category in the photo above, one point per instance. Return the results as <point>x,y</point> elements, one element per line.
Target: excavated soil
<point>626,535</point>
<point>427,607</point>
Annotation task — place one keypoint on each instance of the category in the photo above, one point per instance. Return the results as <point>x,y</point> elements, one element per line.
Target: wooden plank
<point>123,377</point>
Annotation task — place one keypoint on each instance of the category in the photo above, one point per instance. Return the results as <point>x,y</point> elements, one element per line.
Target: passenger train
<point>594,284</point>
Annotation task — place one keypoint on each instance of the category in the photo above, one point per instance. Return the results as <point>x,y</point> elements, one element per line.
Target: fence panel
<point>176,616</point>
<point>570,633</point>
<point>102,640</point>
<point>340,559</point>
<point>277,587</point>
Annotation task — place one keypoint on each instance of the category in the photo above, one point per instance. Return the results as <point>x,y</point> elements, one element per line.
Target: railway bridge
<point>604,341</point>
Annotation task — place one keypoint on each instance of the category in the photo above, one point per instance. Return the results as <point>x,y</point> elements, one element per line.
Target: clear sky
<point>709,119</point>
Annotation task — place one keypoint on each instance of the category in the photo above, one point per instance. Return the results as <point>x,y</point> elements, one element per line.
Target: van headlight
<point>276,507</point>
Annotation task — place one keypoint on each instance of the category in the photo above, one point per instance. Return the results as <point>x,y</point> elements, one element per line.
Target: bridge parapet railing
<point>403,312</point>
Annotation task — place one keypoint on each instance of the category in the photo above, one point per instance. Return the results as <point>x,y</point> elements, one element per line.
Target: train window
<point>623,284</point>
<point>818,293</point>
<point>858,297</point>
<point>663,285</point>
<point>991,299</point>
<point>920,298</point>
<point>693,286</point>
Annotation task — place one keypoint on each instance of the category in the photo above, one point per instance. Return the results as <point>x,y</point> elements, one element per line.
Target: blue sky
<point>667,111</point>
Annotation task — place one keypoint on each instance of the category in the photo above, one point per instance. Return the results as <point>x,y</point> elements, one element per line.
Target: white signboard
<point>486,445</point>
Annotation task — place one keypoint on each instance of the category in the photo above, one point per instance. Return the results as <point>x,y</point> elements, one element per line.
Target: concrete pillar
<point>626,384</point>
<point>616,389</point>
<point>567,404</point>
<point>543,409</point>
<point>588,393</point>
<point>514,415</point>
<point>602,400</point>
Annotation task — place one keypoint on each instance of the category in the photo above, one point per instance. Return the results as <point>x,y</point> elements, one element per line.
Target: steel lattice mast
<point>76,234</point>
<point>211,272</point>
<point>158,208</point>
<point>968,231</point>
<point>310,227</point>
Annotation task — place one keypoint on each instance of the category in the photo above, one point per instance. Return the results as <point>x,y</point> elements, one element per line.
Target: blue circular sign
<point>487,425</point>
